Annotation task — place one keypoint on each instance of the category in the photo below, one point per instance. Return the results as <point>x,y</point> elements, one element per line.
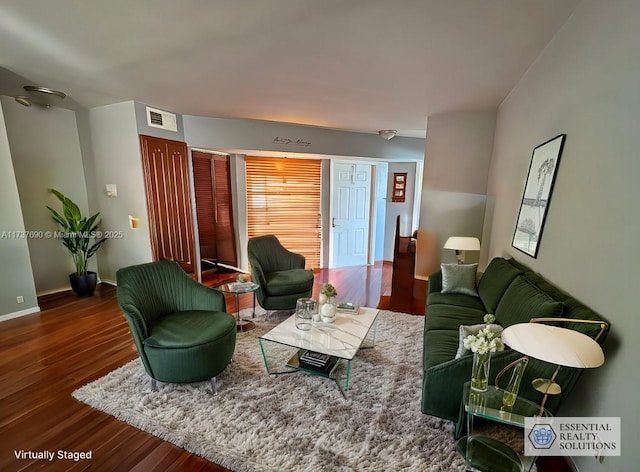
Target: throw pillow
<point>473,329</point>
<point>459,278</point>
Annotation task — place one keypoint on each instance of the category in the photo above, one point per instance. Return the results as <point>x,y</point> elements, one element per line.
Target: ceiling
<point>360,65</point>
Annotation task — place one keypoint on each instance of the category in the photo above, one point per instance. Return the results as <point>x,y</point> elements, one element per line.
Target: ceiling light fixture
<point>40,96</point>
<point>22,100</point>
<point>387,133</point>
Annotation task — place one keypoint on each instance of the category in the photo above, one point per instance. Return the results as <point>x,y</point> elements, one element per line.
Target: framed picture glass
<point>399,187</point>
<point>537,193</point>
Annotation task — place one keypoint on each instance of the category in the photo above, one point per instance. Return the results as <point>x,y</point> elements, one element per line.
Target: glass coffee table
<point>238,288</point>
<point>284,345</point>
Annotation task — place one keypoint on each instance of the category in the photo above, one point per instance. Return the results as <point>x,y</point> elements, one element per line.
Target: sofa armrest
<point>205,298</point>
<point>435,282</point>
<point>442,384</point>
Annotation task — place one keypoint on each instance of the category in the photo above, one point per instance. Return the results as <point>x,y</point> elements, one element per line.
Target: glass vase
<point>511,390</point>
<point>305,309</point>
<point>480,371</point>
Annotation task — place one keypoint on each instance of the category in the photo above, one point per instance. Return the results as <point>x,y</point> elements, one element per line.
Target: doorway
<point>213,201</point>
<point>350,211</point>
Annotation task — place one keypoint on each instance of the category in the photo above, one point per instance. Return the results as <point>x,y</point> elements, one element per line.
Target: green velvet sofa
<point>514,294</point>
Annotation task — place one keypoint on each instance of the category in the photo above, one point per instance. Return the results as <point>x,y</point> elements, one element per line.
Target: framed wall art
<point>399,187</point>
<point>537,192</point>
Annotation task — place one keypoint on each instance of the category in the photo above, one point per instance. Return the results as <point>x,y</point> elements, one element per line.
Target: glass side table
<point>238,288</point>
<point>486,454</point>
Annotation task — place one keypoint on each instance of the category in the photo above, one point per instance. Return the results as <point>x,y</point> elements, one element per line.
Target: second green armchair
<point>279,272</point>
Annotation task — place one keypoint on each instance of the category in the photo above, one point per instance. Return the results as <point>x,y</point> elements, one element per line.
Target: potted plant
<point>327,294</point>
<point>77,235</point>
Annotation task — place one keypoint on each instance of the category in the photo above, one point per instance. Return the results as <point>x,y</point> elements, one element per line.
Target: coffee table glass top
<point>342,338</point>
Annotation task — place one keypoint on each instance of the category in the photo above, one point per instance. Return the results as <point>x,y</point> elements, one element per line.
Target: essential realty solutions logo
<point>542,436</point>
<point>572,436</point>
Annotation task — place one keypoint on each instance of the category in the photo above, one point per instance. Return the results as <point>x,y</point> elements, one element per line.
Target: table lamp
<point>462,244</point>
<point>561,346</point>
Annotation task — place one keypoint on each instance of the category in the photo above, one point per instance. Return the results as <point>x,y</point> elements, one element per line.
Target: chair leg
<point>214,386</point>
<point>154,385</point>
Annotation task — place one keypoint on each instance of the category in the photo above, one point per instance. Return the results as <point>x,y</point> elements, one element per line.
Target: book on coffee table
<point>348,307</point>
<point>313,360</point>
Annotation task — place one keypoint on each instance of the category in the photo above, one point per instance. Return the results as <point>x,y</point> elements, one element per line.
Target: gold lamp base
<point>547,386</point>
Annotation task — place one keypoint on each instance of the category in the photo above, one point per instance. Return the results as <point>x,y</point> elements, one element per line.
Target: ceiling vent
<point>161,119</point>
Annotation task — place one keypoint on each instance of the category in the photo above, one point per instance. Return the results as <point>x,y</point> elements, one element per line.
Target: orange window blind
<point>283,198</point>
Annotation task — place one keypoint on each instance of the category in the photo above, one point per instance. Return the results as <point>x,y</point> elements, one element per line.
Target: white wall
<point>46,154</point>
<point>585,84</point>
<point>380,212</point>
<point>402,209</point>
<point>116,156</point>
<point>235,134</point>
<point>16,278</point>
<point>456,164</point>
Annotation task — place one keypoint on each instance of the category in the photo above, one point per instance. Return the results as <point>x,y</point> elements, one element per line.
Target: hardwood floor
<point>72,341</point>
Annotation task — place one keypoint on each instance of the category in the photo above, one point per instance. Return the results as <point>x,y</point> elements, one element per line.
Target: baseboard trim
<point>18,314</point>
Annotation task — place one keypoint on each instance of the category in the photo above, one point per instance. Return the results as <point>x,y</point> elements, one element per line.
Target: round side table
<point>238,288</point>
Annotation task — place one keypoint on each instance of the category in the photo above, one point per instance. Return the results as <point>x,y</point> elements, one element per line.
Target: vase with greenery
<point>328,310</point>
<point>482,344</point>
<point>80,236</point>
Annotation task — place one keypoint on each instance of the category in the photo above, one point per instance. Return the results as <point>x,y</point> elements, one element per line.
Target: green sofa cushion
<point>494,282</point>
<point>455,299</point>
<point>523,301</point>
<point>186,329</point>
<point>451,317</point>
<point>439,346</point>
<point>290,281</point>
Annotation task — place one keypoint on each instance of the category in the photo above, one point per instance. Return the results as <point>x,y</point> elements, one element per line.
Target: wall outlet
<point>20,299</point>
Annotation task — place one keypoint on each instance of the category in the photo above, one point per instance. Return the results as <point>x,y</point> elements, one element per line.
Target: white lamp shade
<point>553,344</point>
<point>462,243</point>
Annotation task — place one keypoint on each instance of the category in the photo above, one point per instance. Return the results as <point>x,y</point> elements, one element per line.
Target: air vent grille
<point>155,118</point>
<point>161,119</point>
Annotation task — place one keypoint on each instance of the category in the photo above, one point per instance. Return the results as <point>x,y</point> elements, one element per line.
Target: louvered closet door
<point>168,191</point>
<point>212,185</point>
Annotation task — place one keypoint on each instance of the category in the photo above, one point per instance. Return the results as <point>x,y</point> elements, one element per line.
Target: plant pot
<point>328,311</point>
<point>84,285</point>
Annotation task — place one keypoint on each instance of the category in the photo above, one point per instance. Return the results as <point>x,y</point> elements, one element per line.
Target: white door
<point>350,210</point>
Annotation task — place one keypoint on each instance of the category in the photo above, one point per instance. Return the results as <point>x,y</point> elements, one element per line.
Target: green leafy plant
<point>77,233</point>
<point>328,290</point>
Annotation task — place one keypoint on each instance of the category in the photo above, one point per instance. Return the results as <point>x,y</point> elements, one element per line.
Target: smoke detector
<point>387,133</point>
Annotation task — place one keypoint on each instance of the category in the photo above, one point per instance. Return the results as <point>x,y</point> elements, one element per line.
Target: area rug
<point>294,422</point>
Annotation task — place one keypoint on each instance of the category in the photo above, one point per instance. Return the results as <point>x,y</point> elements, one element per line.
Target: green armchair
<point>180,327</point>
<point>279,272</point>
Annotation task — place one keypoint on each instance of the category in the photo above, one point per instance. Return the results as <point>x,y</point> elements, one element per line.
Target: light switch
<point>111,190</point>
